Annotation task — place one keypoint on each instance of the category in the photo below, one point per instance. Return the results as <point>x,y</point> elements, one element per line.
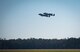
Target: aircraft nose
<point>53,14</point>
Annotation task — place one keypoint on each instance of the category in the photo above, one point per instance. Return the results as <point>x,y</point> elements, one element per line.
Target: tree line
<point>33,43</point>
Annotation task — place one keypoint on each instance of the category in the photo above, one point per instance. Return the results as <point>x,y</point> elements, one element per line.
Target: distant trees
<point>32,43</point>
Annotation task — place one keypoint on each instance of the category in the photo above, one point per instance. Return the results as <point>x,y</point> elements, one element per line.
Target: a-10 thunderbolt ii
<point>46,14</point>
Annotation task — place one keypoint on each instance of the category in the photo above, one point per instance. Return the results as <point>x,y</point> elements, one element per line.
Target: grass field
<point>40,50</point>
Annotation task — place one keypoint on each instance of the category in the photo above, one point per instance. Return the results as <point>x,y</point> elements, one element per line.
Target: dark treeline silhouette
<point>32,43</point>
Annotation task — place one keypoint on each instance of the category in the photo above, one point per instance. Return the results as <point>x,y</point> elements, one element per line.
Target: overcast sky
<point>20,19</point>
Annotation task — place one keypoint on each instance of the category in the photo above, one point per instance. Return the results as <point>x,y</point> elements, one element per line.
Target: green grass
<point>40,50</point>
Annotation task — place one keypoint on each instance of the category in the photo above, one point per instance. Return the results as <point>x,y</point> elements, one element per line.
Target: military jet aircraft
<point>46,14</point>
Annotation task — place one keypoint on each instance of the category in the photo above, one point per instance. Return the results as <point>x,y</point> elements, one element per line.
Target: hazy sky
<point>20,19</point>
